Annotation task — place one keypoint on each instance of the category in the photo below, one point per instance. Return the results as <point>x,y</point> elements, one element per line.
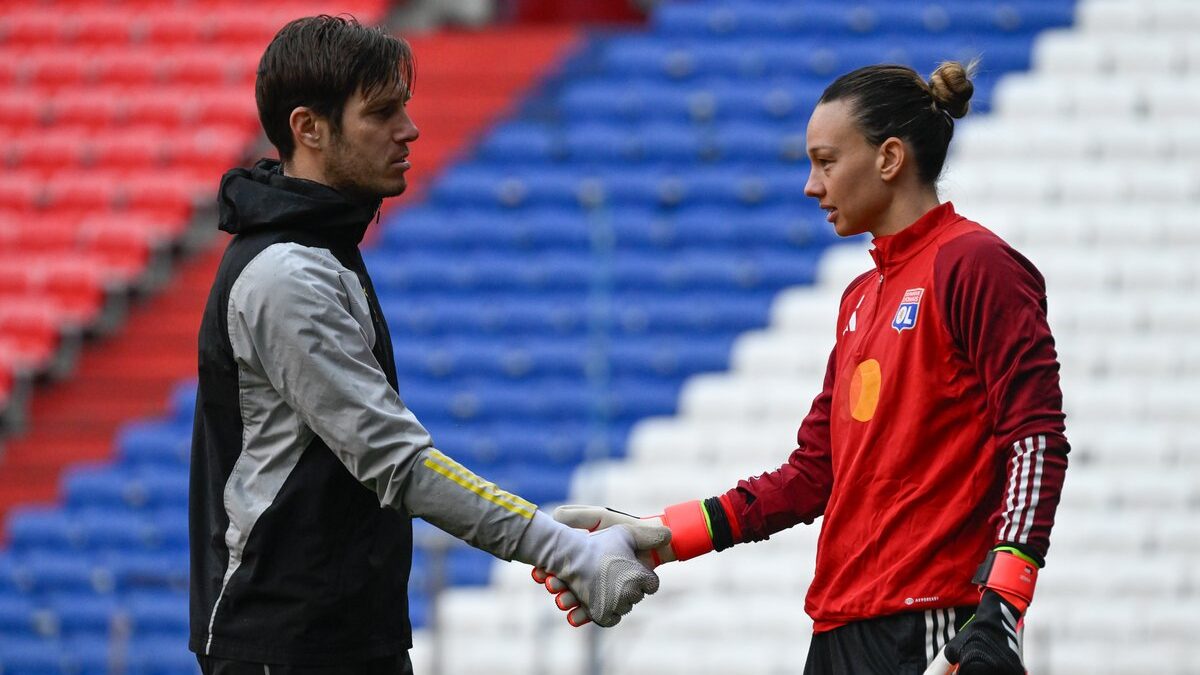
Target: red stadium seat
<point>46,152</point>
<point>231,107</point>
<point>86,108</point>
<point>131,149</point>
<point>211,150</point>
<point>163,108</point>
<point>130,68</point>
<point>26,26</point>
<point>123,251</point>
<point>57,69</point>
<point>76,285</point>
<point>247,25</point>
<point>78,193</point>
<point>20,192</point>
<point>10,68</point>
<point>159,192</point>
<point>21,110</point>
<point>174,26</point>
<point>31,328</point>
<point>98,27</point>
<point>205,68</point>
<point>40,234</point>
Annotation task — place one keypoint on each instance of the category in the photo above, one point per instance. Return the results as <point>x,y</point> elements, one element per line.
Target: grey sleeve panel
<point>297,318</point>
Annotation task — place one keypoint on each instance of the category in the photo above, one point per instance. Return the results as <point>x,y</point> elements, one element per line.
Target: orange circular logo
<point>864,390</point>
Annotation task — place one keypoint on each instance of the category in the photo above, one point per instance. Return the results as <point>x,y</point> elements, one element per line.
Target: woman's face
<point>845,175</point>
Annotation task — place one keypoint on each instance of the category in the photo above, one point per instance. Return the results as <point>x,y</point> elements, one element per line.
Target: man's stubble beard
<point>350,175</point>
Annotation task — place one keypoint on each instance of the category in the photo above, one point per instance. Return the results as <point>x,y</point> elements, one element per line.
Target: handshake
<point>599,563</point>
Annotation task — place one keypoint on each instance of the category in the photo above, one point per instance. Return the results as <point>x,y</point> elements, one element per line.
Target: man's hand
<point>989,644</point>
<point>596,577</point>
<point>686,524</point>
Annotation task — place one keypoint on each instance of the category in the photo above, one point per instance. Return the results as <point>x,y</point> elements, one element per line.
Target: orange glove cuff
<point>689,530</point>
<point>1012,577</point>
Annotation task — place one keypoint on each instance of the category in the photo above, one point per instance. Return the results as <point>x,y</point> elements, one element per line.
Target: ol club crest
<point>906,314</point>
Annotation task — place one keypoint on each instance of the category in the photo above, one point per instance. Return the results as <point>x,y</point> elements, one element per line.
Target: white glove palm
<point>598,577</point>
<point>652,540</point>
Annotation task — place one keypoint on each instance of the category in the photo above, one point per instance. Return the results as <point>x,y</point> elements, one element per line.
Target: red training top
<point>938,434</point>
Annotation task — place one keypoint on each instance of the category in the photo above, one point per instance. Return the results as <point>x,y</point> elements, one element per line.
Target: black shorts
<point>902,644</point>
<point>388,665</point>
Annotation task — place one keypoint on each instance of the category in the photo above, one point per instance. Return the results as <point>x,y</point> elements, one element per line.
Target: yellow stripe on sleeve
<point>462,476</point>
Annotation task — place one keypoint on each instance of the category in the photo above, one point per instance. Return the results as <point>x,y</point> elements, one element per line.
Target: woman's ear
<point>891,158</point>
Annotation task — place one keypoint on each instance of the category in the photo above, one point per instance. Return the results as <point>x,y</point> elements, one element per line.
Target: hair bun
<point>951,87</point>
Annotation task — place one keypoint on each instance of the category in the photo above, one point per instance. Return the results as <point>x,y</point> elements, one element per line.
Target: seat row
<point>625,272</point>
<point>1099,99</point>
<point>781,100</point>
<point>1075,53</point>
<point>602,144</point>
<point>147,23</point>
<point>808,57</point>
<point>848,19</point>
<point>573,228</point>
<point>132,149</point>
<point>53,68</point>
<point>482,186</point>
<point>78,193</point>
<point>200,118</point>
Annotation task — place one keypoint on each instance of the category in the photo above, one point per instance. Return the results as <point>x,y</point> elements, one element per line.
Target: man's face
<point>845,175</point>
<point>368,158</point>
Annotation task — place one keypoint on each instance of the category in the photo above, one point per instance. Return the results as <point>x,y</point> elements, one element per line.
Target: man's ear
<point>891,158</point>
<point>308,128</point>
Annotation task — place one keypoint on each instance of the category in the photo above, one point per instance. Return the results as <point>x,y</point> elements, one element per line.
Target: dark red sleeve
<point>994,301</point>
<point>795,492</point>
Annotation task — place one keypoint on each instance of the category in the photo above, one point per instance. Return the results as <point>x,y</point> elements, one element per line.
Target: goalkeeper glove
<point>601,571</point>
<point>990,643</point>
<point>688,537</point>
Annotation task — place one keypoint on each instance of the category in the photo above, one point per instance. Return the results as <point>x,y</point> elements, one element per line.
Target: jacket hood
<point>263,198</point>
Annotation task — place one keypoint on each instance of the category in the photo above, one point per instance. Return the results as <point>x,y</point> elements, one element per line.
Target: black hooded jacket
<point>307,467</point>
<point>321,576</point>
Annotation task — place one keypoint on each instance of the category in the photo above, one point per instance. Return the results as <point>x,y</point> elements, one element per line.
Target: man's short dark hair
<point>320,62</point>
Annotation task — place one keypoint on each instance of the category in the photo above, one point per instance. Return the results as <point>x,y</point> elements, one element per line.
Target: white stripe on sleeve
<point>1035,490</point>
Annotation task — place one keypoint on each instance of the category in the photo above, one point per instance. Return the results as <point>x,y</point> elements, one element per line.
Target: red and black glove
<point>990,642</point>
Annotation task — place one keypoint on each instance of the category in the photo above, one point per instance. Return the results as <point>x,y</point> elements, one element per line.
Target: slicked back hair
<point>893,101</point>
<point>320,62</point>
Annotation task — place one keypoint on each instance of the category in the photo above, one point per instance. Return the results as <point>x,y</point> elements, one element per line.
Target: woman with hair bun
<point>936,450</point>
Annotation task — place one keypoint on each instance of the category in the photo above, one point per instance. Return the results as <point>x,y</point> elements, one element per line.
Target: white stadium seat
<point>1069,53</point>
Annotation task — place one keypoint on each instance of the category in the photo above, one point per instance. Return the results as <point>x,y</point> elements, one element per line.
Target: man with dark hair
<point>307,467</point>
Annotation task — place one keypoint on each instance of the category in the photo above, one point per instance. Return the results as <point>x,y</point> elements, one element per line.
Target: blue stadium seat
<point>519,142</point>
<point>112,529</point>
<point>161,656</point>
<point>33,656</point>
<point>84,613</point>
<point>140,570</point>
<point>602,142</point>
<point>183,402</point>
<point>11,575</point>
<point>19,617</point>
<point>44,572</point>
<point>162,614</point>
<point>159,442</point>
<point>89,654</point>
<point>43,528</point>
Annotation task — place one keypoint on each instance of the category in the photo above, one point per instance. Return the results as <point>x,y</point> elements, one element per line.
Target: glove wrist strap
<point>1010,576</point>
<point>690,536</point>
